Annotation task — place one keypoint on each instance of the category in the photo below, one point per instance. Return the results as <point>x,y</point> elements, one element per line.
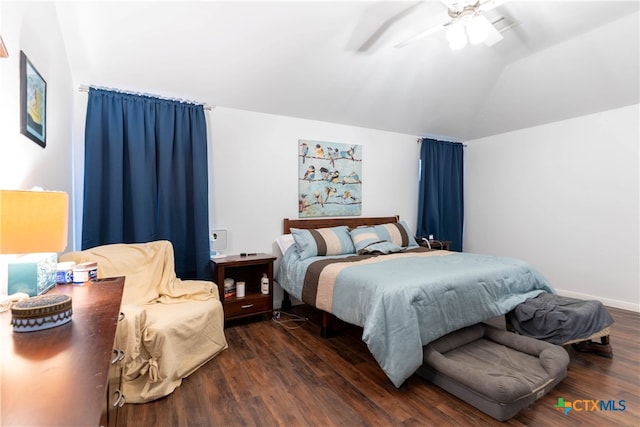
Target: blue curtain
<point>441,204</point>
<point>146,176</point>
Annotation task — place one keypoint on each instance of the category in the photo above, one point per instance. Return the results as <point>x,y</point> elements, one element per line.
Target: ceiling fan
<point>465,21</point>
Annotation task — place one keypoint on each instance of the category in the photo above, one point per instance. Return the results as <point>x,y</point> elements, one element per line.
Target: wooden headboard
<point>351,222</point>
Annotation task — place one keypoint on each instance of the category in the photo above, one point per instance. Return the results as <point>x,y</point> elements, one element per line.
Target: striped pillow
<point>397,233</point>
<point>323,241</point>
<point>363,237</point>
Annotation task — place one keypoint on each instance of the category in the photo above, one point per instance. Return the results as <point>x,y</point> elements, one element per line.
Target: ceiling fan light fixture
<point>477,29</point>
<point>456,36</point>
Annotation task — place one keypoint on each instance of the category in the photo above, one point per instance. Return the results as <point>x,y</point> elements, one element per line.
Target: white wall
<point>565,197</point>
<point>33,28</point>
<point>253,174</point>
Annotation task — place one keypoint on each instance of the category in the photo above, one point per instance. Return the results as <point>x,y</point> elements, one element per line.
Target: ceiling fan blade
<point>493,35</point>
<point>490,4</point>
<point>386,25</point>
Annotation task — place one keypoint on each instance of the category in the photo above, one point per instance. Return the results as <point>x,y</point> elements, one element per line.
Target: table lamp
<point>4,53</point>
<point>31,222</point>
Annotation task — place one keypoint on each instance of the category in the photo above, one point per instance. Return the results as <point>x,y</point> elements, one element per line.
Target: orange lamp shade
<point>3,50</point>
<point>33,221</point>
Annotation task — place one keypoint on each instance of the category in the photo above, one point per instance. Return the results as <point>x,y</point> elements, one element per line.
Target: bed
<point>402,298</point>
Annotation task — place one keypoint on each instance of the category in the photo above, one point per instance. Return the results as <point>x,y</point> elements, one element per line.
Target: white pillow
<point>284,242</point>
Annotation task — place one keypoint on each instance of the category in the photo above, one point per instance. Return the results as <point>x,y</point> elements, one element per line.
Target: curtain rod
<point>85,88</point>
<point>419,141</point>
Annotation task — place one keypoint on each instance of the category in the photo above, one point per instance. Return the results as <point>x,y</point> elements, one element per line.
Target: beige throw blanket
<point>171,326</point>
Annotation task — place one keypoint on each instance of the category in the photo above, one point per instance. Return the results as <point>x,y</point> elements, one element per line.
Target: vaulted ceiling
<point>337,61</point>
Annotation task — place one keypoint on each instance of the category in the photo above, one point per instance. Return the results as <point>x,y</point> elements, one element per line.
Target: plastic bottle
<point>264,284</point>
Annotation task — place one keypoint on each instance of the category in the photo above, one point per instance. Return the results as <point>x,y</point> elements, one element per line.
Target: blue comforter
<point>405,300</point>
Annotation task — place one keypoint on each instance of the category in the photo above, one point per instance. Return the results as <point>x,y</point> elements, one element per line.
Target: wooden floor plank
<point>275,376</point>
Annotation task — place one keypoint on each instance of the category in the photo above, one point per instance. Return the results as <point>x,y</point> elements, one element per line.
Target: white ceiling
<point>306,59</point>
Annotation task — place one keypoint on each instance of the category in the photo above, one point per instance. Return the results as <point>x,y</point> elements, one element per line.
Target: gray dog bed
<point>496,371</point>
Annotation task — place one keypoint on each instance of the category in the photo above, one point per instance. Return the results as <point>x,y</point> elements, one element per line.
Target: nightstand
<point>435,244</point>
<point>249,269</point>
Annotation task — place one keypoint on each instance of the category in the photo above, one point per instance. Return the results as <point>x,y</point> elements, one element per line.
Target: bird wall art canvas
<point>329,179</point>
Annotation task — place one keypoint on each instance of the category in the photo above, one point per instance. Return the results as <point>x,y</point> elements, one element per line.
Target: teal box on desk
<point>33,274</point>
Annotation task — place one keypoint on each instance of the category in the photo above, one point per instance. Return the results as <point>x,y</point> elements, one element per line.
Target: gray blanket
<point>557,319</point>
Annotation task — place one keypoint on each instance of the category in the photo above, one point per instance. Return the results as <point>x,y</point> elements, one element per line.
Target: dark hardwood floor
<point>274,376</point>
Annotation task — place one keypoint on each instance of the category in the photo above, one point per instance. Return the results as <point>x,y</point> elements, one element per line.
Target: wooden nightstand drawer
<point>247,306</point>
<point>251,270</point>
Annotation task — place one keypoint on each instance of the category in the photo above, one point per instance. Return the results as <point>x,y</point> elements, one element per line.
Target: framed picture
<point>329,182</point>
<point>33,102</point>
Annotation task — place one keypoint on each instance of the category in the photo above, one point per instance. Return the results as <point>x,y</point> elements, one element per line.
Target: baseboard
<point>624,305</point>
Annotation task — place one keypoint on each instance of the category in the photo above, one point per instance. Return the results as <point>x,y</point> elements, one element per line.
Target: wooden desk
<point>58,376</point>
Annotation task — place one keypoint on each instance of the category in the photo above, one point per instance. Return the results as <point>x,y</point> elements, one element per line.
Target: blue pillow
<point>363,237</point>
<point>323,241</point>
<point>397,233</point>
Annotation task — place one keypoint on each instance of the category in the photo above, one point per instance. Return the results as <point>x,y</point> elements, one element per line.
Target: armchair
<point>171,326</point>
